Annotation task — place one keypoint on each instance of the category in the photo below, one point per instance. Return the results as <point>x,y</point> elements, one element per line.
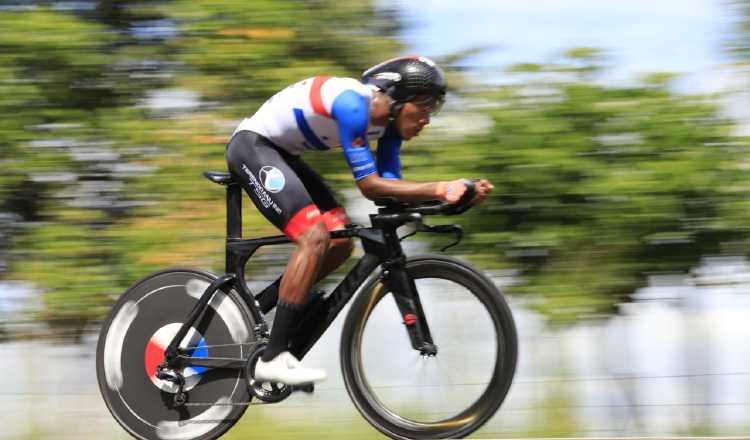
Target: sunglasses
<point>429,104</point>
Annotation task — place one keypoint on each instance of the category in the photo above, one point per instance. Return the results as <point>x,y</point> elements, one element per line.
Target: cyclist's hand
<point>483,189</point>
<point>451,191</point>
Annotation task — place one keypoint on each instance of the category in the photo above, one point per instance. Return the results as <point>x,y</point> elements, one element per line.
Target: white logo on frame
<point>272,178</point>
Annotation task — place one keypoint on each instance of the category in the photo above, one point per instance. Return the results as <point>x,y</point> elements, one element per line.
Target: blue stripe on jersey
<point>307,132</point>
<point>352,115</point>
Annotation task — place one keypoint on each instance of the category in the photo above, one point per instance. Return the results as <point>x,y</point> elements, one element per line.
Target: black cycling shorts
<point>289,193</point>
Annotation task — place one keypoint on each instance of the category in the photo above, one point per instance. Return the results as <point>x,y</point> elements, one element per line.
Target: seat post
<point>234,211</point>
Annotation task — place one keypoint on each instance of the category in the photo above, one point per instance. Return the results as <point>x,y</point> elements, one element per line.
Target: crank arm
<point>211,362</point>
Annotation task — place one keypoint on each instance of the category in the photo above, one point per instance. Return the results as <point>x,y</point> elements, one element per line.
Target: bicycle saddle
<point>219,177</point>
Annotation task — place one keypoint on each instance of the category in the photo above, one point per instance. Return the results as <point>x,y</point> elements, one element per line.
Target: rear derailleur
<point>165,373</point>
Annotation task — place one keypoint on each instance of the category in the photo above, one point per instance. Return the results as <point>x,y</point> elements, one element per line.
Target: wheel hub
<point>154,357</point>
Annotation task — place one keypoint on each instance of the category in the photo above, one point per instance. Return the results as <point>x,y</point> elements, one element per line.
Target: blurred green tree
<point>102,180</point>
<point>739,43</point>
<point>598,186</point>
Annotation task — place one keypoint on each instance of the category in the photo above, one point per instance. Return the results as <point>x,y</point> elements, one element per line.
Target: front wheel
<point>408,396</point>
<point>131,346</point>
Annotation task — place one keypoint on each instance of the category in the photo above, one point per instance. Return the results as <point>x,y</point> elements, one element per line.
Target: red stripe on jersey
<point>335,219</point>
<point>316,98</point>
<point>303,219</point>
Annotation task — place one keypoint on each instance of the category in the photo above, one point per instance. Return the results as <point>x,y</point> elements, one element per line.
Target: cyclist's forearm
<point>374,186</point>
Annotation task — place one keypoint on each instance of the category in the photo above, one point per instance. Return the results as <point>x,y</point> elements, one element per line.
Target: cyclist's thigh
<point>272,185</point>
<point>333,213</point>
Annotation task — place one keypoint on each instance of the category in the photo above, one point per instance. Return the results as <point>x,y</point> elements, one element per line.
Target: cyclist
<point>393,102</point>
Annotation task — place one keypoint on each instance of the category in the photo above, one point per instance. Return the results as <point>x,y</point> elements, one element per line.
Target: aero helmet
<point>409,79</point>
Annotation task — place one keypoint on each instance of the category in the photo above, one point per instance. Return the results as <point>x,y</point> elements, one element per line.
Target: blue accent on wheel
<point>200,351</point>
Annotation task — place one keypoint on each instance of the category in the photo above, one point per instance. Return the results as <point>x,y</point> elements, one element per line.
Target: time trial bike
<point>428,348</point>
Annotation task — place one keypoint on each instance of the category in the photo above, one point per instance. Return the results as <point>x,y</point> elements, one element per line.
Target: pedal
<point>164,373</point>
<point>307,388</point>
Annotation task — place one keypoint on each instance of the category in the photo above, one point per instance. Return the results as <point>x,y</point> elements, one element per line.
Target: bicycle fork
<point>401,284</point>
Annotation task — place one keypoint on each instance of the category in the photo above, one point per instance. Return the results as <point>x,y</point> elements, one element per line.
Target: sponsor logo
<point>263,198</point>
<point>272,178</point>
<point>358,157</point>
<point>390,76</point>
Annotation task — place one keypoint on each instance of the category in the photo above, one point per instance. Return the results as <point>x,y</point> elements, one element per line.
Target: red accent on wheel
<point>410,319</point>
<point>154,357</point>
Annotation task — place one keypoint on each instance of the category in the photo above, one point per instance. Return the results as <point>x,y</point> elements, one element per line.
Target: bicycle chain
<point>223,404</point>
<point>223,345</point>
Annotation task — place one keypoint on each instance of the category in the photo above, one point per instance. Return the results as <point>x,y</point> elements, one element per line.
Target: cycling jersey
<point>321,113</point>
<point>318,113</point>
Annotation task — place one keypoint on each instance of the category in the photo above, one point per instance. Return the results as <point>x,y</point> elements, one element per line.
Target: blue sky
<point>684,36</point>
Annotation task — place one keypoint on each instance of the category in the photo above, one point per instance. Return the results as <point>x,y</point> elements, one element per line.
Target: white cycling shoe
<point>286,369</point>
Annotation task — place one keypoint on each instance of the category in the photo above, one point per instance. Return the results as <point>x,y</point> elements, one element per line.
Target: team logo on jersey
<point>272,178</point>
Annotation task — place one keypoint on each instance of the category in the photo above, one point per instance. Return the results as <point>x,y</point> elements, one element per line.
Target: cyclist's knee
<point>315,239</point>
<point>343,247</point>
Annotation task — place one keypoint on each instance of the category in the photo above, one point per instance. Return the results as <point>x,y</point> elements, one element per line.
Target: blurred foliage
<point>109,111</point>
<point>102,149</point>
<point>597,186</point>
<point>739,44</point>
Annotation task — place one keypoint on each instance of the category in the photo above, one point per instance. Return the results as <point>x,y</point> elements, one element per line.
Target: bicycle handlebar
<point>390,205</point>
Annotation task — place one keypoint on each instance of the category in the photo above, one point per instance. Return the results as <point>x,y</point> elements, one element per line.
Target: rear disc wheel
<point>131,347</point>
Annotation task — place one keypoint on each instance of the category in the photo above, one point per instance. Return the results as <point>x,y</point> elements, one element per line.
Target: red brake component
<point>410,319</point>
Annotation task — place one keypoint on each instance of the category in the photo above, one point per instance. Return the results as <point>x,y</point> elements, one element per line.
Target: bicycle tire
<point>131,343</point>
<point>479,412</point>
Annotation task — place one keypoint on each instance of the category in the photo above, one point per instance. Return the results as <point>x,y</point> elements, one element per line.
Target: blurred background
<point>617,135</point>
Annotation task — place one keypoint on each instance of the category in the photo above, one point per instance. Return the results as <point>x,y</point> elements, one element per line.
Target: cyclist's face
<point>413,118</point>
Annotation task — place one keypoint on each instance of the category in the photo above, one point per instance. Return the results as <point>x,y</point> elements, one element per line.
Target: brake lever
<point>456,229</point>
<point>439,229</point>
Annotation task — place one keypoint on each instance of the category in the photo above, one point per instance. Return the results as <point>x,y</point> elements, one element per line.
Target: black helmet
<point>408,79</point>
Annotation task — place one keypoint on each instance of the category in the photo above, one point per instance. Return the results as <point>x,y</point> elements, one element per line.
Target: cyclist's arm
<point>374,186</point>
<point>351,113</point>
<point>389,182</point>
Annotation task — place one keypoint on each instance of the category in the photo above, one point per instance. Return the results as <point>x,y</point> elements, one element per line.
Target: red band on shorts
<point>303,219</point>
<point>335,219</point>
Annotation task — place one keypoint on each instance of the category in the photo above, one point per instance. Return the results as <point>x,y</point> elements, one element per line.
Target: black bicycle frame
<point>382,248</point>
